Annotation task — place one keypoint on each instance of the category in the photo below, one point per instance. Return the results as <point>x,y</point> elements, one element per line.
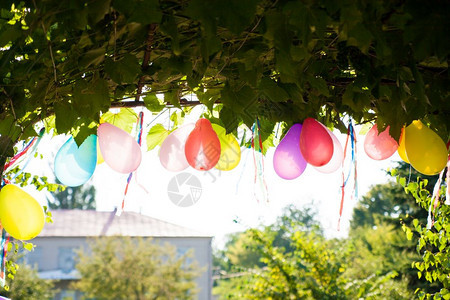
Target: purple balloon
<point>288,161</point>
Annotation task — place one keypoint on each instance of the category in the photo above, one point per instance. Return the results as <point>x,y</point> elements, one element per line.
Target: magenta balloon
<point>316,143</point>
<point>119,150</point>
<point>171,153</point>
<point>338,155</point>
<point>288,161</point>
<point>379,146</point>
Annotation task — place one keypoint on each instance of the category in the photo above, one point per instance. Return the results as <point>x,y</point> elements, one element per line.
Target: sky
<point>227,202</point>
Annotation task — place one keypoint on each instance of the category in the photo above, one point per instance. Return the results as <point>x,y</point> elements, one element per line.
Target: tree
<point>433,240</point>
<point>28,286</point>
<point>376,228</point>
<point>80,197</point>
<point>389,203</point>
<point>297,262</point>
<point>135,268</point>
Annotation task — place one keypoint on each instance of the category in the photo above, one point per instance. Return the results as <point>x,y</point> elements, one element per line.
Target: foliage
<point>432,244</point>
<point>389,203</point>
<point>28,286</point>
<point>80,197</point>
<point>126,268</point>
<point>279,60</point>
<point>307,266</point>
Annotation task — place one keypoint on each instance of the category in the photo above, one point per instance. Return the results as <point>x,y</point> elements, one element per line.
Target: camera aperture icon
<point>184,189</point>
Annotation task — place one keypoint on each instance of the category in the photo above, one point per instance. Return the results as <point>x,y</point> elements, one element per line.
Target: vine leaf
<point>156,135</point>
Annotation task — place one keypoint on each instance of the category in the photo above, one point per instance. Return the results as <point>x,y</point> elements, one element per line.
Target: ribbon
<point>139,123</point>
<point>33,144</point>
<point>447,192</point>
<point>434,200</point>
<point>4,250</point>
<point>259,163</point>
<point>352,136</point>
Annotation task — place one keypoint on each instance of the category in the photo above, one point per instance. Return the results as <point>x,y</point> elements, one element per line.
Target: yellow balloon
<point>401,147</point>
<point>20,214</point>
<point>100,159</point>
<point>230,152</point>
<point>426,151</point>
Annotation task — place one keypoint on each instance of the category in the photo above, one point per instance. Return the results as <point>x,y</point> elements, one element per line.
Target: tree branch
<point>146,60</point>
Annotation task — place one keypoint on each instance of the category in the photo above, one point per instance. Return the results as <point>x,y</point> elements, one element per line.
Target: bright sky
<point>226,196</point>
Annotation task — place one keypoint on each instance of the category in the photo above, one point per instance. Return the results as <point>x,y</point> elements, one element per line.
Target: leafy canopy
<point>278,60</point>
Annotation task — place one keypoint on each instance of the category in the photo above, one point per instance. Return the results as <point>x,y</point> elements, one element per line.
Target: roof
<point>91,223</point>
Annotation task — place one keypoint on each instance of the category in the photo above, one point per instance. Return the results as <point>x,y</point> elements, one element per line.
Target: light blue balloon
<point>74,166</point>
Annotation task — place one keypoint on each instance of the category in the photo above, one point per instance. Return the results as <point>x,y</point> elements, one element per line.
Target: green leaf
<point>146,12</point>
<point>172,97</point>
<point>65,116</point>
<point>28,246</point>
<point>125,70</point>
<point>153,103</point>
<point>270,88</point>
<point>319,84</point>
<point>156,135</point>
<point>124,119</point>
<point>92,57</point>
<point>90,98</point>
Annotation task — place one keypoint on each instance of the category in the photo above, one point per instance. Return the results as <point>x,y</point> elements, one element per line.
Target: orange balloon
<point>378,145</point>
<point>202,147</point>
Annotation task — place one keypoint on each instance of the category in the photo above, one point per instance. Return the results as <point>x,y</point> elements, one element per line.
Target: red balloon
<point>379,146</point>
<point>316,143</point>
<point>202,147</point>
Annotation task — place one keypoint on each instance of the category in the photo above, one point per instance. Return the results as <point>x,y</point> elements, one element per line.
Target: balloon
<point>202,147</point>
<point>288,161</point>
<point>336,160</point>
<point>379,146</point>
<point>20,214</point>
<point>401,147</point>
<point>426,151</point>
<point>100,159</point>
<point>171,153</point>
<point>75,165</point>
<point>316,143</point>
<point>120,151</point>
<point>230,151</point>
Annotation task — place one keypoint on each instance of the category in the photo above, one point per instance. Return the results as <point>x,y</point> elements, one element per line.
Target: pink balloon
<point>379,146</point>
<point>316,143</point>
<point>171,153</point>
<point>288,161</point>
<point>119,150</point>
<point>336,160</point>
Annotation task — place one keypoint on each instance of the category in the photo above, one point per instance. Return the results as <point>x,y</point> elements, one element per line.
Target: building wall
<point>58,253</point>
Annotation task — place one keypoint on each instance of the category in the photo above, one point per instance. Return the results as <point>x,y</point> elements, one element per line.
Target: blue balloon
<point>75,165</point>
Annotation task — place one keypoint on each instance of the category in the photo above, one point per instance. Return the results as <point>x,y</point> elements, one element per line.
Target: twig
<point>49,47</point>
<point>239,48</point>
<point>146,60</point>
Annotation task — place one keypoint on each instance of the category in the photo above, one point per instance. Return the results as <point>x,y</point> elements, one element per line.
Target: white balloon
<point>171,153</point>
<point>336,159</point>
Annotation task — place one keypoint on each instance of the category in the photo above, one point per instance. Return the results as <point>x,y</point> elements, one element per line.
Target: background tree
<point>28,286</point>
<point>389,203</point>
<point>79,197</point>
<point>135,268</point>
<point>376,228</point>
<point>304,265</point>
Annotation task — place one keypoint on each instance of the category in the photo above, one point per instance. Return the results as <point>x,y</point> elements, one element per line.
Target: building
<point>54,254</point>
